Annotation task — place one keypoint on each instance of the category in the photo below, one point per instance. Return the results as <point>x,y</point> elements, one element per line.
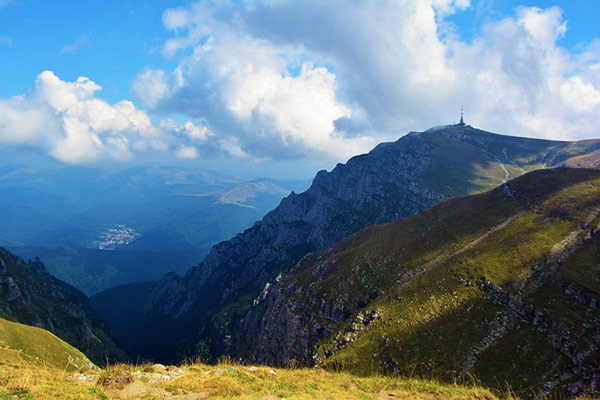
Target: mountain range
<point>199,311</point>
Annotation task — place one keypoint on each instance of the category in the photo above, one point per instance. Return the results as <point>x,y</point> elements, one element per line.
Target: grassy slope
<point>479,160</point>
<point>434,320</point>
<point>223,381</point>
<point>430,325</point>
<point>27,345</point>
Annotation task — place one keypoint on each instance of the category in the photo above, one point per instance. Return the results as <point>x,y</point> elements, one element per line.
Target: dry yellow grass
<point>223,381</point>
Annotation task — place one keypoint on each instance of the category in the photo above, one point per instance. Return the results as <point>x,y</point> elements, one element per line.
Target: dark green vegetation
<point>31,296</point>
<point>120,308</point>
<point>393,181</point>
<point>502,286</point>
<point>21,344</point>
<point>94,270</point>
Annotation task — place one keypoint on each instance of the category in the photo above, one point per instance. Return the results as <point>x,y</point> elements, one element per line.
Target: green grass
<point>21,343</point>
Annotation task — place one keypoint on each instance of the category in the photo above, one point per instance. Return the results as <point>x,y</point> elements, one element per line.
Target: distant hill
<point>21,344</point>
<point>503,287</point>
<point>31,296</point>
<point>392,181</point>
<point>56,206</point>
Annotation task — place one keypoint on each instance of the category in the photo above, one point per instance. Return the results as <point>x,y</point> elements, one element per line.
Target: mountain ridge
<point>394,180</point>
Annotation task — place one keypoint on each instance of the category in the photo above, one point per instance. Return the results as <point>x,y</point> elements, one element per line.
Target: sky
<point>281,87</point>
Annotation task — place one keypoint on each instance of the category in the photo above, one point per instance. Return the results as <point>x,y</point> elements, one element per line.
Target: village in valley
<point>116,237</point>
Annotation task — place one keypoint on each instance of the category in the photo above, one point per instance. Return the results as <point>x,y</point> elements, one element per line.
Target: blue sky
<point>232,82</point>
<point>110,41</point>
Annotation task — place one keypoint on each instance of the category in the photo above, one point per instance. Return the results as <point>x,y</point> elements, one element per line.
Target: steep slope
<point>503,286</point>
<point>31,296</point>
<point>392,181</point>
<point>21,344</point>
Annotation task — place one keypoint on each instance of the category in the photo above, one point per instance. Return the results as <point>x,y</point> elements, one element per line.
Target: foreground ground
<point>224,381</point>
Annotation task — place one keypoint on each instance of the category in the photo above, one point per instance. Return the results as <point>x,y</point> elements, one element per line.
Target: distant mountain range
<point>172,217</point>
<point>392,181</point>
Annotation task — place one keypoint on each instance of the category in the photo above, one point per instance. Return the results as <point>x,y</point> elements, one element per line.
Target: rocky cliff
<point>392,181</point>
<point>31,296</point>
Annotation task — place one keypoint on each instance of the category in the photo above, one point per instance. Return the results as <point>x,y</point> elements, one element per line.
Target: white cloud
<point>151,86</point>
<point>581,96</point>
<point>186,152</point>
<point>313,79</point>
<point>67,120</point>
<point>232,147</point>
<point>242,87</point>
<point>194,132</point>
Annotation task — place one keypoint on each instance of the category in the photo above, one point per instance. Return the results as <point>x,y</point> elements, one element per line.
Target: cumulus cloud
<point>299,79</point>
<point>188,129</point>
<point>244,88</point>
<point>67,120</point>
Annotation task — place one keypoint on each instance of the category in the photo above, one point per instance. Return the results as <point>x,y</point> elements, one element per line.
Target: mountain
<point>392,181</point>
<point>31,296</point>
<point>22,344</point>
<point>502,286</point>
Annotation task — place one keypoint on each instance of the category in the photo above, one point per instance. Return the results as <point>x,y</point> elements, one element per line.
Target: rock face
<point>31,296</point>
<point>488,286</point>
<point>392,181</point>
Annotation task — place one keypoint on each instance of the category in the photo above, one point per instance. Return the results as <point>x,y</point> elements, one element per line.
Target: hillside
<point>21,344</point>
<point>31,296</point>
<point>392,181</point>
<point>502,286</point>
<point>223,381</point>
